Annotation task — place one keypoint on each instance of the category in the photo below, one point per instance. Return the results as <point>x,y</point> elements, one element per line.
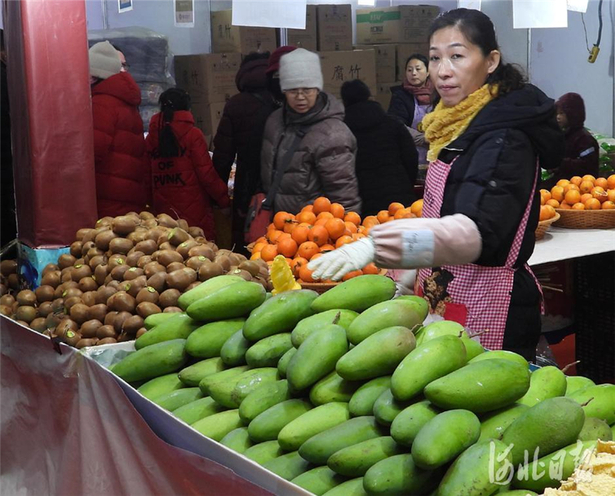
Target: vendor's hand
<point>417,136</point>
<point>336,264</point>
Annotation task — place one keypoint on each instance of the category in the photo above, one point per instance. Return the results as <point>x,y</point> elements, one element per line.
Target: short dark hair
<point>479,30</point>
<point>418,56</point>
<point>354,91</point>
<point>255,56</point>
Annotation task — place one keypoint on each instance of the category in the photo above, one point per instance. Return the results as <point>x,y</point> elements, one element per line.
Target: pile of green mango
<point>347,393</point>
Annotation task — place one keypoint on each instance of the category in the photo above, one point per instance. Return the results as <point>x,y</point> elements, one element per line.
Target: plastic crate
<point>594,315</point>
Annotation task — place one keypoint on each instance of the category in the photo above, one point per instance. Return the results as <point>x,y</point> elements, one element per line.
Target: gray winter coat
<point>324,163</point>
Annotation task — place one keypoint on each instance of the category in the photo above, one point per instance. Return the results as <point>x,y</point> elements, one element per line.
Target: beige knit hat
<point>104,60</point>
<point>300,69</point>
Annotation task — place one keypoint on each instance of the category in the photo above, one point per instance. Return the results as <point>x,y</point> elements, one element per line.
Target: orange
<point>589,177</point>
<point>394,207</point>
<point>300,234</point>
<point>565,206</point>
<point>274,235</point>
<point>308,208</point>
<point>569,187</point>
<point>545,196</point>
<point>256,255</point>
<point>289,227</point>
<point>578,206</point>
<point>352,274</point>
<point>336,227</point>
<point>322,204</point>
<point>319,235</point>
<point>599,194</point>
<point>576,180</point>
<point>327,247</point>
<point>553,203</point>
<point>586,186</point>
<point>592,204</point>
<point>322,221</point>
<point>282,236</point>
<point>259,246</point>
<point>357,236</point>
<point>602,182</point>
<point>608,205</point>
<point>337,210</point>
<point>546,212</point>
<point>307,250</point>
<point>261,240</point>
<point>610,181</point>
<point>306,216</point>
<point>611,194</point>
<point>287,247</point>
<point>343,240</point>
<point>324,215</point>
<point>572,197</point>
<point>557,193</point>
<point>305,274</point>
<point>562,182</point>
<point>269,252</point>
<point>383,216</point>
<point>585,197</point>
<point>281,218</point>
<point>296,264</point>
<point>417,208</point>
<point>370,221</point>
<point>351,227</point>
<point>353,217</point>
<point>371,269</point>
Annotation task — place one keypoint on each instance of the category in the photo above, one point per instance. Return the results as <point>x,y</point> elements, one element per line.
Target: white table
<point>563,244</point>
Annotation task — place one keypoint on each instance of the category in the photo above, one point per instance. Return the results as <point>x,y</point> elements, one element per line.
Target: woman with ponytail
<point>184,181</point>
<point>489,134</point>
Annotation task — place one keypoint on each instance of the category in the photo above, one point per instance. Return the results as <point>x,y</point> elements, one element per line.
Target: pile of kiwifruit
<point>118,273</point>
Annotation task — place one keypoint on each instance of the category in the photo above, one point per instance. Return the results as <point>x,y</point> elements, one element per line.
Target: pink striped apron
<point>480,295</point>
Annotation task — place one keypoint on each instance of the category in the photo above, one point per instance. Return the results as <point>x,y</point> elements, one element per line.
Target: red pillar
<point>51,119</point>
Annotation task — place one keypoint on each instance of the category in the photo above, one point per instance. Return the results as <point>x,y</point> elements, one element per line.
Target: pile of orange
<point>321,227</point>
<point>578,193</point>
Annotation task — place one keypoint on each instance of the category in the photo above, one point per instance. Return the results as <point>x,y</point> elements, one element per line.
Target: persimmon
<point>383,216</point>
<point>305,274</point>
<point>341,241</point>
<point>307,250</point>
<point>274,235</point>
<point>282,236</point>
<point>338,210</point>
<point>394,207</point>
<point>350,275</point>
<point>306,216</point>
<point>281,218</point>
<point>370,220</point>
<point>327,247</point>
<point>296,264</point>
<point>319,235</point>
<point>269,252</point>
<point>417,208</point>
<point>255,255</point>
<point>300,234</point>
<point>357,236</point>
<point>335,227</point>
<point>322,204</point>
<point>324,215</point>
<point>322,221</point>
<point>371,269</point>
<point>308,208</point>
<point>287,247</point>
<point>351,227</point>
<point>353,217</point>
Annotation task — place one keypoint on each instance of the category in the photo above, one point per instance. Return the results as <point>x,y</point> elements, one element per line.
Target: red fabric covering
<point>184,186</point>
<point>122,173</point>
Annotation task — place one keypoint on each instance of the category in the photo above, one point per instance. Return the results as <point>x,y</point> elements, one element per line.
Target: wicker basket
<point>543,225</point>
<point>586,219</point>
<point>321,287</point>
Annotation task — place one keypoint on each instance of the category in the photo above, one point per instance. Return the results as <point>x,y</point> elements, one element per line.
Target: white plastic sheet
<point>540,14</point>
<point>270,13</point>
<point>68,429</point>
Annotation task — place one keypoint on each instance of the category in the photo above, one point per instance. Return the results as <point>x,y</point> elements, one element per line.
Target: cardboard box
<point>334,27</point>
<point>207,117</point>
<point>386,61</point>
<point>404,50</point>
<point>403,24</point>
<point>243,39</point>
<point>306,38</point>
<point>209,78</point>
<point>339,67</point>
<point>383,94</point>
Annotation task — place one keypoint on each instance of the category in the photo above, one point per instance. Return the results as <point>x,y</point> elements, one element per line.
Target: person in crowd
<point>119,145</point>
<point>273,74</point>
<point>310,126</point>
<point>183,177</point>
<point>120,52</point>
<point>387,160</point>
<point>489,135</point>
<point>411,100</point>
<point>240,136</point>
<point>581,155</point>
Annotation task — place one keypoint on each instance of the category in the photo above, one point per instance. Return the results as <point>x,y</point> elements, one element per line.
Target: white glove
<point>405,285</point>
<point>336,264</point>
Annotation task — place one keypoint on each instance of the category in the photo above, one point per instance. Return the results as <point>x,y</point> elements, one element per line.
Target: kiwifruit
<point>109,318</point>
<point>118,272</point>
<point>133,273</point>
<point>252,267</point>
<point>148,294</point>
<point>104,293</point>
<point>203,241</point>
<point>100,273</point>
<point>26,297</point>
<point>177,236</point>
<point>64,326</point>
<point>132,324</point>
<point>87,246</point>
<point>104,221</point>
<point>115,260</point>
<point>145,215</point>
<point>6,310</point>
<point>122,302</point>
<point>57,305</point>
<point>44,293</point>
<point>75,249</point>
<point>224,251</point>
<point>66,260</point>
<point>89,327</point>
<point>165,257</point>
<point>87,284</point>
<point>224,262</point>
<point>114,284</point>
<point>158,281</point>
<point>7,300</point>
<point>8,267</point>
<point>50,267</point>
<point>90,236</point>
<point>84,343</point>
<point>143,261</point>
<point>166,246</point>
<point>209,270</point>
<point>13,281</point>
<point>181,279</point>
<point>71,291</point>
<point>52,320</point>
<point>103,239</point>
<point>183,224</point>
<point>79,313</point>
<point>147,246</point>
<point>120,245</point>
<point>124,337</point>
<point>81,233</point>
<point>244,274</point>
<point>98,312</point>
<point>15,306</point>
<point>97,260</point>
<point>193,285</point>
<point>146,308</point>
<point>184,248</point>
<point>71,338</point>
<point>80,271</point>
<point>212,245</point>
<point>44,309</point>
<point>92,252</point>
<point>234,259</point>
<point>169,298</point>
<point>106,341</point>
<point>166,220</point>
<point>124,225</point>
<point>173,266</point>
<point>69,302</point>
<point>4,289</point>
<point>80,261</point>
<point>195,231</point>
<point>172,310</point>
<point>89,298</point>
<point>38,324</point>
<point>196,262</point>
<point>150,223</point>
<point>155,232</point>
<point>152,268</point>
<point>66,275</point>
<point>201,251</point>
<point>118,321</point>
<point>133,257</point>
<point>26,313</point>
<point>137,236</point>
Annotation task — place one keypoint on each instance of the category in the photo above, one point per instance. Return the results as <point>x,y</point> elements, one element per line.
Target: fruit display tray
<point>321,287</point>
<point>586,219</point>
<point>543,225</point>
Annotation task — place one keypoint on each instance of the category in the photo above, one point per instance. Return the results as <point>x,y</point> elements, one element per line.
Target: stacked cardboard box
<point>341,66</point>
<point>243,39</point>
<point>306,38</point>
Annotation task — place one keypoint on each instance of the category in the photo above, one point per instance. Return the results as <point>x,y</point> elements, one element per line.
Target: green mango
<point>175,399</point>
<point>218,425</point>
<point>493,424</point>
<point>249,382</point>
<point>152,361</point>
<point>153,320</point>
<point>386,314</point>
<point>314,322</point>
<point>442,328</point>
<point>206,288</point>
<point>503,355</point>
<point>398,474</point>
<point>222,376</point>
<point>285,360</point>
<point>233,351</point>
<point>355,460</point>
<point>262,398</point>
<point>576,382</point>
<point>473,348</point>
<point>207,340</point>
<point>238,440</point>
<point>358,294</point>
<point>361,363</point>
<point>480,387</point>
<point>318,480</point>
<point>194,374</point>
<point>263,453</point>
<point>288,466</point>
<point>517,492</point>
<point>333,388</point>
<point>595,428</point>
<point>362,401</point>
<point>386,407</point>
<point>544,428</point>
<point>197,410</point>
<point>409,422</point>
<point>545,382</point>
<point>267,425</point>
<point>444,437</point>
<point>160,385</point>
<point>178,327</point>
<point>228,302</point>
<point>428,362</point>
<point>598,401</point>
<point>353,487</point>
<point>420,303</point>
<point>268,351</point>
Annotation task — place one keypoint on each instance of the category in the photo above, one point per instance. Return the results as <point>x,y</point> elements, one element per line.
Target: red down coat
<point>184,186</point>
<point>119,147</point>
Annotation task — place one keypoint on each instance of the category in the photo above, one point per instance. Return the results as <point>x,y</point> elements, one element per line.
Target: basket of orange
<point>321,227</point>
<point>548,216</point>
<point>583,202</point>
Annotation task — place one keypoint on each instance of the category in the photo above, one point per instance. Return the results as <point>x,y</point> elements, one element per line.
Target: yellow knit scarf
<point>445,124</point>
